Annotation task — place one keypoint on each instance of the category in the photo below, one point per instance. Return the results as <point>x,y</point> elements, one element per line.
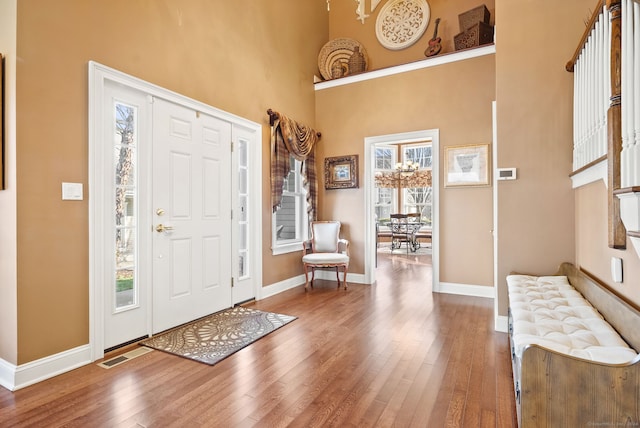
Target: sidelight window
<point>243,221</point>
<point>125,207</point>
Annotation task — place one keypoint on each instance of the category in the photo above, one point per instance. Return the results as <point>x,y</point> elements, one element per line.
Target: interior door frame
<point>98,76</point>
<point>370,224</point>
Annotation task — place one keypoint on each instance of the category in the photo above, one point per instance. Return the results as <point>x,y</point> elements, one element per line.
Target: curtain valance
<point>290,138</point>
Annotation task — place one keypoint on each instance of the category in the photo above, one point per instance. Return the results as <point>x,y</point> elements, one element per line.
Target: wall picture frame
<point>467,165</point>
<point>341,172</point>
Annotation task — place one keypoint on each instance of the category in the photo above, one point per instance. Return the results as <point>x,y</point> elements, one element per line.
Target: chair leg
<point>338,275</point>
<point>306,278</point>
<point>344,277</point>
<point>313,275</point>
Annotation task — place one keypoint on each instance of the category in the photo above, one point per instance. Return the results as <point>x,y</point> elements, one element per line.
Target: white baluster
<point>606,95</point>
<point>629,174</point>
<point>635,77</point>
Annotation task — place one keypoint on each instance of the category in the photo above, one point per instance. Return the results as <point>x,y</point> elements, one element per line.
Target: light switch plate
<point>71,191</point>
<point>616,269</point>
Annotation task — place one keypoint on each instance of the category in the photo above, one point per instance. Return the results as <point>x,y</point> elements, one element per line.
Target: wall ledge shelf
<point>404,68</point>
<point>594,172</point>
<point>630,213</point>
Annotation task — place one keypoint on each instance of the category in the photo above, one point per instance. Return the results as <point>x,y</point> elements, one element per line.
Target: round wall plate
<point>339,50</point>
<point>401,23</point>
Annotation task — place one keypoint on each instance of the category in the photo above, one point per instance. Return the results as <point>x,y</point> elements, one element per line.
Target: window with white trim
<point>384,203</point>
<point>418,199</point>
<point>289,222</point>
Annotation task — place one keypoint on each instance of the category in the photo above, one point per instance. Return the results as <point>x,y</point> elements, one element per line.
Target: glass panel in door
<point>125,159</point>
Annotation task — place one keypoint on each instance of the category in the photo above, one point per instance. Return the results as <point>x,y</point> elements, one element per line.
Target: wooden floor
<point>389,354</point>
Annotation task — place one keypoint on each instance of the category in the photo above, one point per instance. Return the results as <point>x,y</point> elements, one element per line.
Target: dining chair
<point>399,231</point>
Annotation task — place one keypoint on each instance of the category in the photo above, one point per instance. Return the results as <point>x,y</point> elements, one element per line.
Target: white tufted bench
<point>552,325</point>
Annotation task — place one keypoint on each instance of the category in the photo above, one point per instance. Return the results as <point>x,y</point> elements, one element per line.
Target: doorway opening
<point>396,192</point>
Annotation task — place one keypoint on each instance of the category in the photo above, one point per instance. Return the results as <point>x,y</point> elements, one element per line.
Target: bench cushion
<point>549,312</point>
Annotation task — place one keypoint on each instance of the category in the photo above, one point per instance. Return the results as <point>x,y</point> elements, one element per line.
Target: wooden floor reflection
<point>382,355</point>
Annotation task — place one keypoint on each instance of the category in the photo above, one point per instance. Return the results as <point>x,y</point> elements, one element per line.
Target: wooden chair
<point>325,249</point>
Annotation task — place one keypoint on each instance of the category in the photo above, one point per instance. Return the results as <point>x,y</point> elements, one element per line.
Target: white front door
<point>158,160</point>
<point>191,204</point>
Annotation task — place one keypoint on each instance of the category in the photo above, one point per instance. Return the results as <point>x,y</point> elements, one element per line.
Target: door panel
<point>124,274</point>
<point>245,165</point>
<point>192,190</point>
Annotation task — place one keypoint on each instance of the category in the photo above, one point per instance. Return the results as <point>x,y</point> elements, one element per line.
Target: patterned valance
<point>290,138</point>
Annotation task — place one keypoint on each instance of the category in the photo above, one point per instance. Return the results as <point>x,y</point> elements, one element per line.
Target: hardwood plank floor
<point>389,354</point>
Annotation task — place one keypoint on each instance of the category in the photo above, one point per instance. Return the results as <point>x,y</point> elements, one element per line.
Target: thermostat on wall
<point>506,174</point>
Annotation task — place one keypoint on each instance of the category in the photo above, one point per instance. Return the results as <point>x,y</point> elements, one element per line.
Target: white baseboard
<point>356,278</point>
<point>7,371</point>
<point>279,287</point>
<point>465,289</point>
<point>502,324</point>
<point>15,377</point>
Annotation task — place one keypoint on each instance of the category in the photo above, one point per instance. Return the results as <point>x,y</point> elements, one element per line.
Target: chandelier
<point>407,175</point>
<point>407,169</point>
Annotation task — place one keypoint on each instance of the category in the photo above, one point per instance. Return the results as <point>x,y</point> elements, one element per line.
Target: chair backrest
<point>324,236</point>
<point>398,218</point>
<point>413,217</point>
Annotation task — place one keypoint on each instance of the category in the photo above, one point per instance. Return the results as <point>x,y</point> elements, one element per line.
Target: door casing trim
<point>370,225</point>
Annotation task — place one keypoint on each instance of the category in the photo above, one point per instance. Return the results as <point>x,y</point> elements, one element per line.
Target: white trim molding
<point>296,281</point>
<point>465,289</point>
<point>404,68</point>
<point>15,377</point>
<point>591,175</point>
<point>370,143</point>
<point>501,324</point>
<point>630,216</point>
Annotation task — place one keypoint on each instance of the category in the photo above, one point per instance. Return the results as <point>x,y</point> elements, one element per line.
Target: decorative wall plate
<point>339,50</point>
<point>401,23</point>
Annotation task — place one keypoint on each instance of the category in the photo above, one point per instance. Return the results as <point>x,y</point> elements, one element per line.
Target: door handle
<point>162,228</point>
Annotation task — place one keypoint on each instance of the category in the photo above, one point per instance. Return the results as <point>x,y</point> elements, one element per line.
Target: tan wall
<point>8,249</point>
<point>592,250</point>
<point>242,56</point>
<point>343,23</point>
<point>534,113</point>
<point>443,98</point>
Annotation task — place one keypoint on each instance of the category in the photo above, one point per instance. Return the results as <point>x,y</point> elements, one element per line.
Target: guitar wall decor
<point>434,47</point>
